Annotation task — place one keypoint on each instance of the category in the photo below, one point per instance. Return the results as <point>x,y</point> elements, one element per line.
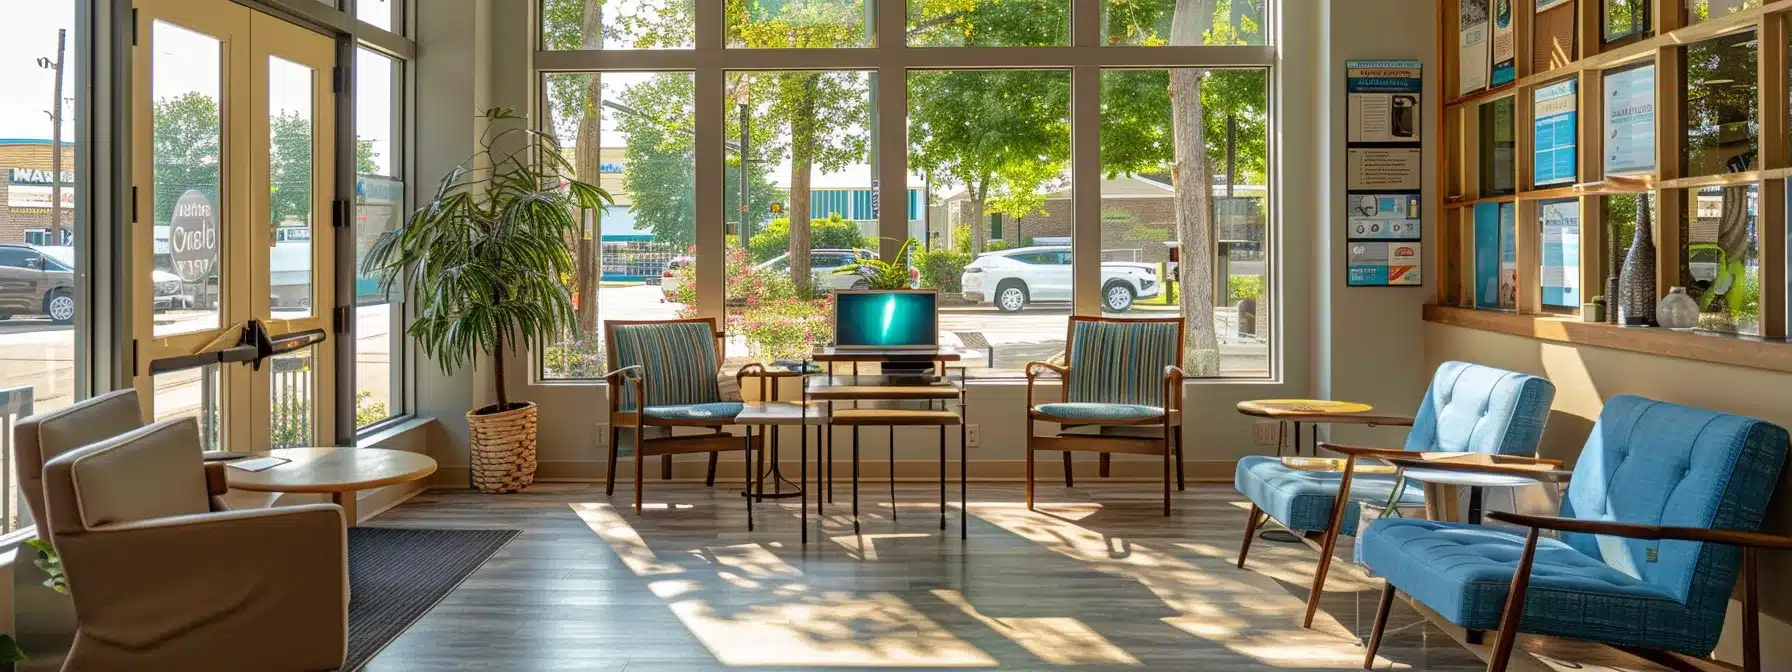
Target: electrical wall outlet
<point>972,437</point>
<point>1266,432</point>
<point>603,436</point>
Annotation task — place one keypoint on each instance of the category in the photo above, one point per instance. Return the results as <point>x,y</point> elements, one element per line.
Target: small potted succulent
<point>1593,310</point>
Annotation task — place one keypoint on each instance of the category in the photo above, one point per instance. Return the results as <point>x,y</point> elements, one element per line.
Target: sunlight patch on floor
<point>794,625</point>
<point>1057,640</point>
<point>1242,610</point>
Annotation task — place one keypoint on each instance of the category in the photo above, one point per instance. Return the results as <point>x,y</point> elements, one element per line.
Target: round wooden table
<point>338,472</point>
<point>1296,411</point>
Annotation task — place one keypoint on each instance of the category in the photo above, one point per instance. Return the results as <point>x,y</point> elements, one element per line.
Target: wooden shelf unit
<point>1458,170</point>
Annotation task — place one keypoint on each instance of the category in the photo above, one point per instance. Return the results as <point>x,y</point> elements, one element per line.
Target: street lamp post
<point>55,113</point>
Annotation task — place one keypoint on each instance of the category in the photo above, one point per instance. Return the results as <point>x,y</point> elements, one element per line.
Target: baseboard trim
<point>692,468</point>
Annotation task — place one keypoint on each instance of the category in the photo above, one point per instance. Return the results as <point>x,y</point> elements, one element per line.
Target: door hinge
<point>133,26</point>
<point>339,215</point>
<point>134,370</point>
<point>343,319</point>
<point>133,204</point>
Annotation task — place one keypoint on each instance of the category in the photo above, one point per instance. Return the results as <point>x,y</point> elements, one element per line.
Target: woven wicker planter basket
<point>503,450</point>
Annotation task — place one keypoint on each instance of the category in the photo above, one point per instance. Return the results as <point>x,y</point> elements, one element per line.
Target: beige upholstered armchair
<point>41,437</point>
<point>162,582</point>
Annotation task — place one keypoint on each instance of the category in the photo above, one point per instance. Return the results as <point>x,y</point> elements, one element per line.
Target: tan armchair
<point>161,582</point>
<point>41,437</point>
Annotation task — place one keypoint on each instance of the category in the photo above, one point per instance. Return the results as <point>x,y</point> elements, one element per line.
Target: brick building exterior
<point>24,177</point>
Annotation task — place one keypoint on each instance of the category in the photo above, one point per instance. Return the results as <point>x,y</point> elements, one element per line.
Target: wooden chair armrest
<point>1539,475</point>
<point>1364,451</point>
<point>1033,369</point>
<point>634,372</point>
<point>1636,531</point>
<point>1523,459</point>
<point>1174,372</point>
<point>1387,420</point>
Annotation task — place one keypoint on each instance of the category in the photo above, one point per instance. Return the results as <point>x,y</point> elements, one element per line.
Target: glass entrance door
<point>234,159</point>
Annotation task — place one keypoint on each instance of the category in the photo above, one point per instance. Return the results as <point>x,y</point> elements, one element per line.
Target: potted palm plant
<point>481,264</point>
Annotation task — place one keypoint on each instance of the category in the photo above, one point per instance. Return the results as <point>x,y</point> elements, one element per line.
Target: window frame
<point>893,60</point>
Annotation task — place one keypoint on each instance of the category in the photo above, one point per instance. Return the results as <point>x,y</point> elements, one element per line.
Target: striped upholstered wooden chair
<point>663,374</point>
<point>1121,393</point>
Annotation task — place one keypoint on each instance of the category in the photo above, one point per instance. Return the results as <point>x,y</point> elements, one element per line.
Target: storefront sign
<point>193,237</point>
<point>38,199</point>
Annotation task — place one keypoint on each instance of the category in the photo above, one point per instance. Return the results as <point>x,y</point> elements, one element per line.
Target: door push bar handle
<point>254,346</point>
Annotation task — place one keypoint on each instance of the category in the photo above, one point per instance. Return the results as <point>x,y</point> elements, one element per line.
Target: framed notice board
<point>1384,174</point>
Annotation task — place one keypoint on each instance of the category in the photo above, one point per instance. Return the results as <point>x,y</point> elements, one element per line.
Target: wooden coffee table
<point>338,472</point>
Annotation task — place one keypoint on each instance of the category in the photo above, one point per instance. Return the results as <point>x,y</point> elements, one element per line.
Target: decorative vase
<point>503,448</point>
<point>1636,284</point>
<point>1677,310</point>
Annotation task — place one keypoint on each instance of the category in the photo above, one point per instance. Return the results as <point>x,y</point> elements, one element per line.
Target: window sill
<point>387,430</point>
<point>1741,351</point>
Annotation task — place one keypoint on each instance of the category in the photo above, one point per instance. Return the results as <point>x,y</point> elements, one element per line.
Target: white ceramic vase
<point>1677,310</point>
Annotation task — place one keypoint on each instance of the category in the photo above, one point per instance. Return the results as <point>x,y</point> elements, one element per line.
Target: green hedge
<point>832,233</point>
<point>942,269</point>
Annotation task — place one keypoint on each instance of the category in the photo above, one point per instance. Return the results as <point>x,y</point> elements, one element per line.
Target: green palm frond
<point>481,261</point>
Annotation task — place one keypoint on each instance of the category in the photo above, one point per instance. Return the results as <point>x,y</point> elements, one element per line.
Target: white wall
<point>1363,344</point>
<point>1369,339</point>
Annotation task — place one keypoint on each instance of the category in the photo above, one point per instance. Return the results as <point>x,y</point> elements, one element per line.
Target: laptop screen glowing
<point>886,319</point>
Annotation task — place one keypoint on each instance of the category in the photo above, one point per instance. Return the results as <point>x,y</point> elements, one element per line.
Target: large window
<point>995,147</point>
<point>981,134</point>
<point>379,207</point>
<point>1146,213</point>
<point>39,301</point>
<point>631,133</point>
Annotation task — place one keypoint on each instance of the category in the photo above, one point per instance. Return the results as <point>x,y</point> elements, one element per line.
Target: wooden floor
<point>1099,580</point>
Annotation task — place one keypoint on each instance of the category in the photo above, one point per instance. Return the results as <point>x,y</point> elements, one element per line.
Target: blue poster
<point>1487,255</point>
<point>1630,121</point>
<point>1561,253</point>
<point>1555,121</point>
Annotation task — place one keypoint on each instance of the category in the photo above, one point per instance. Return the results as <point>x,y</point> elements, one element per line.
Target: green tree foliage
<point>187,151</point>
<point>824,116</point>
<point>660,151</point>
<point>833,233</point>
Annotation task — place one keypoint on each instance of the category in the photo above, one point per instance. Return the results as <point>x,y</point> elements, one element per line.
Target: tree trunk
<point>978,222</point>
<point>1194,194</point>
<point>802,161</point>
<point>588,164</point>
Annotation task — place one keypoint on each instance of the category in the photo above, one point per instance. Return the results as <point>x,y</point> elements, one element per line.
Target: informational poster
<point>1383,216</point>
<point>1384,173</point>
<point>1472,45</point>
<point>1372,168</point>
<point>1554,130</point>
<point>1504,44</point>
<point>1379,264</point>
<point>1487,255</point>
<point>1561,253</point>
<point>1630,121</point>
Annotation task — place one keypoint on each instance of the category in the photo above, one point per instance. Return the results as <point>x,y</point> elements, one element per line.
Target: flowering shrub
<point>746,286</point>
<point>786,328</point>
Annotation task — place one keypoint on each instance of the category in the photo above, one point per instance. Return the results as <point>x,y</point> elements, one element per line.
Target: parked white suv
<point>1012,279</point>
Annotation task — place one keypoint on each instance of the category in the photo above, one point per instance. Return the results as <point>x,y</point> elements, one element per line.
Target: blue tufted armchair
<point>1656,509</point>
<point>1468,408</point>
<point>1659,519</point>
